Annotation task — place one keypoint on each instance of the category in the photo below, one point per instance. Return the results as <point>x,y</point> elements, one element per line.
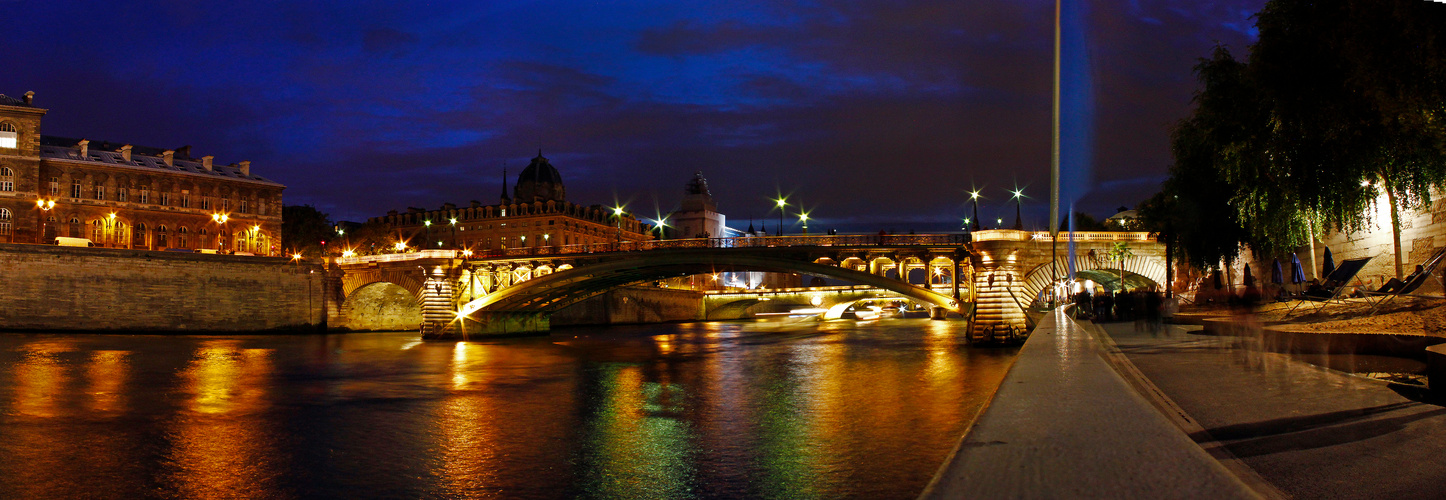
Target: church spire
<point>505,198</point>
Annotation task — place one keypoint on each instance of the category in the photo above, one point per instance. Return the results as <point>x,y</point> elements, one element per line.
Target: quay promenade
<point>1105,410</point>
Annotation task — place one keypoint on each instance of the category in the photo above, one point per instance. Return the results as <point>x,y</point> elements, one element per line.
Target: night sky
<point>874,115</point>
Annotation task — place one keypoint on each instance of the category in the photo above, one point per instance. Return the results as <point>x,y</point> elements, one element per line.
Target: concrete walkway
<point>1310,432</point>
<point>1065,425</point>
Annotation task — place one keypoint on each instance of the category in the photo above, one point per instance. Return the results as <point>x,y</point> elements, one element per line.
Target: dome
<point>539,182</point>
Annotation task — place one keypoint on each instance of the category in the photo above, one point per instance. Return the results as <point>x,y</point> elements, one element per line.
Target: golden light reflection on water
<point>219,445</point>
<point>39,379</point>
<point>107,377</point>
<point>470,458</point>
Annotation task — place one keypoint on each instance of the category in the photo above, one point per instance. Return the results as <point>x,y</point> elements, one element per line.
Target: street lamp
<point>803,218</point>
<point>1018,202</point>
<point>782,202</point>
<point>428,224</point>
<point>44,206</point>
<point>220,220</point>
<point>618,214</point>
<point>453,221</point>
<point>974,198</point>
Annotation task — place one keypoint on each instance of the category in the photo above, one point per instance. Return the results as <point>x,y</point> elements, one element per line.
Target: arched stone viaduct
<point>990,279</point>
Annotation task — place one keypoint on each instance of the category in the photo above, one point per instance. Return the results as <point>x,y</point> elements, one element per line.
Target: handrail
<point>842,240</point>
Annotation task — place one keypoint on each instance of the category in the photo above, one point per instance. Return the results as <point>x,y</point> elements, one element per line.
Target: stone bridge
<point>990,280</point>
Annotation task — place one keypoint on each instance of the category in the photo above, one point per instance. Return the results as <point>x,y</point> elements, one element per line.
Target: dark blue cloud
<point>871,113</point>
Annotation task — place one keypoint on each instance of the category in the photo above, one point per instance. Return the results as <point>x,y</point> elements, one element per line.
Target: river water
<point>705,410</point>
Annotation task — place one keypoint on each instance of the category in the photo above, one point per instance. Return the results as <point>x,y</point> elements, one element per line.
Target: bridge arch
<point>1138,270</point>
<point>380,306</point>
<point>555,291</point>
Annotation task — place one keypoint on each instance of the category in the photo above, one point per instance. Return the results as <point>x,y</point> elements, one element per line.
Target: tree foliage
<point>1339,103</point>
<point>304,228</point>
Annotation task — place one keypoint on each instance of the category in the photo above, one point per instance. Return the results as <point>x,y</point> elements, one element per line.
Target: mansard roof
<point>142,157</point>
<point>6,100</point>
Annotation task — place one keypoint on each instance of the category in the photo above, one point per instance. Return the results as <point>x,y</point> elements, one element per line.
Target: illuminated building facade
<point>697,215</point>
<point>535,214</point>
<point>126,196</point>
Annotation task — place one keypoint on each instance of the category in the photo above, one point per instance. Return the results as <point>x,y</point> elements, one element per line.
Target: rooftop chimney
<point>206,162</point>
<point>29,98</point>
<point>246,169</point>
<point>125,152</point>
<point>84,149</point>
<point>169,157</point>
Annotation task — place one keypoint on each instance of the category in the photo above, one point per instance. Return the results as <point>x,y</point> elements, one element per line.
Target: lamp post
<point>453,222</point>
<point>428,224</point>
<point>803,218</point>
<point>109,230</point>
<point>1018,203</point>
<point>662,223</point>
<point>220,220</point>
<point>255,232</point>
<point>44,206</point>
<point>782,202</point>
<point>974,199</point>
<point>618,214</point>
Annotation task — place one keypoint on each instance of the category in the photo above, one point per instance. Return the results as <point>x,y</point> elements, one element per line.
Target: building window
<point>181,237</point>
<point>243,206</point>
<point>99,192</point>
<point>226,205</point>
<point>6,172</point>
<point>161,236</point>
<point>205,202</point>
<point>97,229</point>
<point>55,186</point>
<point>7,186</point>
<point>121,194</point>
<point>185,200</point>
<point>4,221</point>
<point>145,196</point>
<point>165,198</point>
<point>9,137</point>
<point>75,189</point>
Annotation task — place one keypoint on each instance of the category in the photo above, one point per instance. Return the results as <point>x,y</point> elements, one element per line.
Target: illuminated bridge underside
<point>563,288</point>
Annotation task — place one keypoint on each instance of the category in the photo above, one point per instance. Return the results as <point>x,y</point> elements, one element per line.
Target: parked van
<point>67,241</point>
<point>205,250</point>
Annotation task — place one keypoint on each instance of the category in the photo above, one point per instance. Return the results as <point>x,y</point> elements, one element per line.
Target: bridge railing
<point>848,240</point>
<point>840,240</point>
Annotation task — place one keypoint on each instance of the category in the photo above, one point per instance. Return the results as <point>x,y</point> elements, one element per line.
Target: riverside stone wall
<point>630,305</point>
<point>52,288</point>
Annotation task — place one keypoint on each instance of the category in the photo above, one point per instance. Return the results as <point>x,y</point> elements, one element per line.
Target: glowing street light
<point>1018,203</point>
<point>782,202</point>
<point>453,222</point>
<point>401,246</point>
<point>803,218</point>
<point>44,206</point>
<point>220,220</point>
<point>974,198</point>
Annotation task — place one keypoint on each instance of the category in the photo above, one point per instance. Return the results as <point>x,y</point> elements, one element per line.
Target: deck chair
<point>1334,284</point>
<point>1397,288</point>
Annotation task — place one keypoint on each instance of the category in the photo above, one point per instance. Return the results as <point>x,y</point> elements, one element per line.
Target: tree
<point>304,228</point>
<point>1082,222</point>
<point>1339,103</point>
<point>1357,93</point>
<point>1119,251</point>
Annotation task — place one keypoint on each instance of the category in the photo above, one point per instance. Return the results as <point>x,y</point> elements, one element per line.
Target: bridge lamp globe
<point>400,246</point>
<point>348,254</point>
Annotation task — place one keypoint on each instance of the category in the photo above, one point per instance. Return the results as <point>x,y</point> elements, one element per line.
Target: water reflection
<point>711,410</point>
<point>220,446</point>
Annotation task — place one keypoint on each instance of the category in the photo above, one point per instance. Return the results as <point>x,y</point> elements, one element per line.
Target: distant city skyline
<point>872,116</point>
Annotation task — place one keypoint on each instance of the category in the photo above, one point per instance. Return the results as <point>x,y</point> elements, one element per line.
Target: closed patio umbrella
<point>1277,275</point>
<point>1330,264</point>
<point>1297,272</point>
<point>1248,279</point>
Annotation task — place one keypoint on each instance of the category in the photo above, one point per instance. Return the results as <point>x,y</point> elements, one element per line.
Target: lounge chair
<point>1396,288</point>
<point>1334,284</point>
